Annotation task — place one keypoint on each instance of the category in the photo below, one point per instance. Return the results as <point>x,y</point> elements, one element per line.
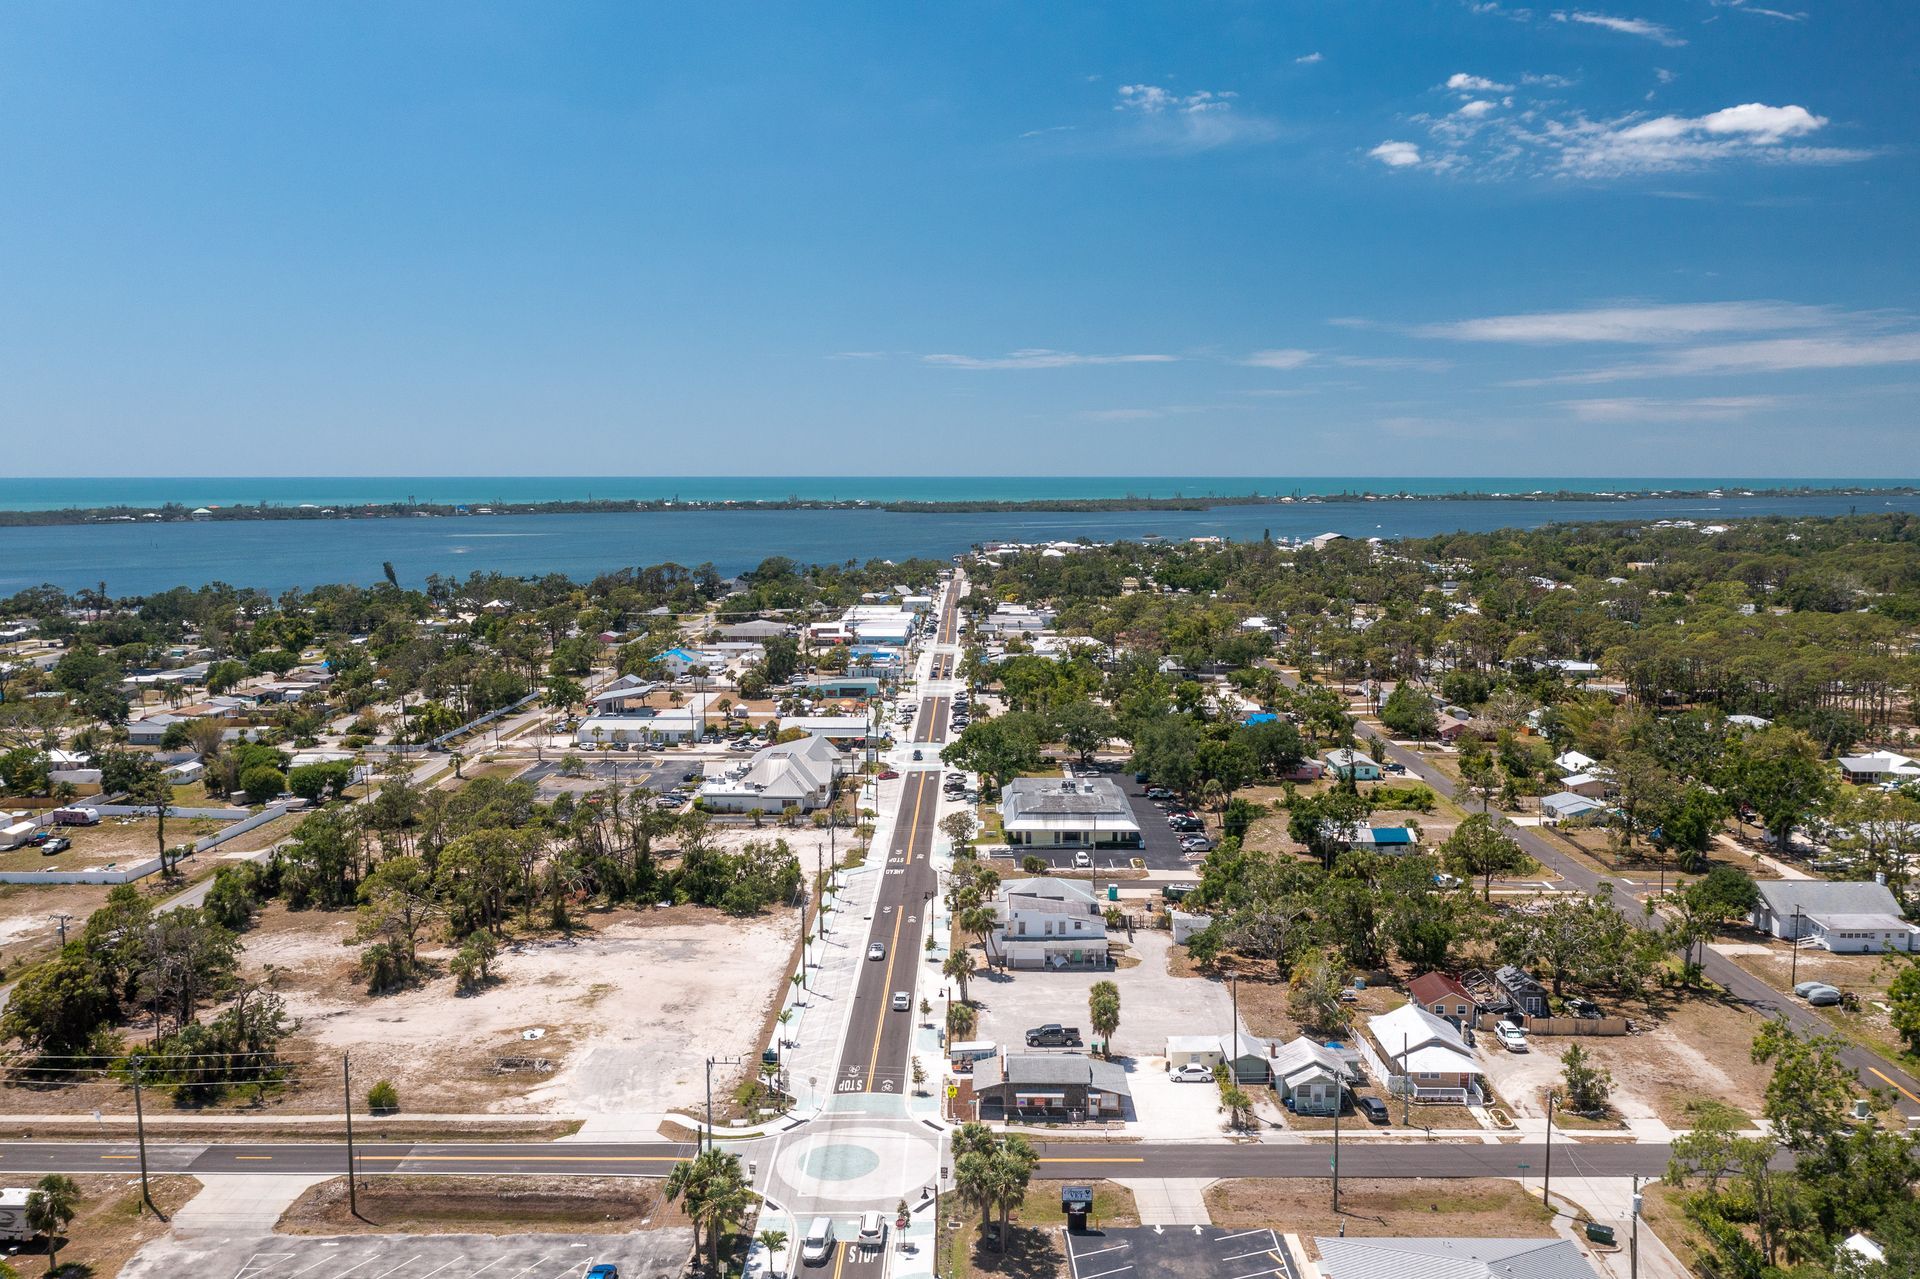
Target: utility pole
<point>1406,1084</point>
<point>1339,1102</point>
<point>346,1084</point>
<point>140,1128</point>
<point>1633,1240</point>
<point>1794,942</point>
<point>1546,1174</point>
<point>60,919</point>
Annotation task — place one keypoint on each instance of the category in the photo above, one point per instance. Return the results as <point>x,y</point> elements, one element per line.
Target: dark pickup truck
<point>1053,1035</point>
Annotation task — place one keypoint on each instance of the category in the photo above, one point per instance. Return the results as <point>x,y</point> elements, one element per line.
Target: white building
<point>796,774</point>
<point>1426,1053</point>
<point>651,725</point>
<point>1846,917</point>
<point>1048,923</point>
<point>1073,812</point>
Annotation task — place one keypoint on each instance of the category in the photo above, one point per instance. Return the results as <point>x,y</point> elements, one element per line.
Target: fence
<point>1563,1025</point>
<point>140,870</point>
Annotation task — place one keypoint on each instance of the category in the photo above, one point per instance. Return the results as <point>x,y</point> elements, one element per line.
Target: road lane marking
<point>253,1156</point>
<point>118,1156</point>
<point>1064,1160</point>
<point>1874,1070</point>
<point>893,949</point>
<point>1115,1248</point>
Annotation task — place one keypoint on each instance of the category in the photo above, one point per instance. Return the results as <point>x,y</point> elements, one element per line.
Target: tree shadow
<point>1030,1254</point>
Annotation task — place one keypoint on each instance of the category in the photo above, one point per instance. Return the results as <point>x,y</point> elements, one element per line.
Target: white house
<point>1565,806</point>
<point>846,730</point>
<point>650,725</point>
<point>1880,766</point>
<point>1570,762</point>
<point>796,774</point>
<point>1312,1076</point>
<point>1425,1053</point>
<point>1843,916</point>
<point>1048,923</point>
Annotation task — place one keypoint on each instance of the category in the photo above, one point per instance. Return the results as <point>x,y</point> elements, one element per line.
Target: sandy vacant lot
<point>618,1010</point>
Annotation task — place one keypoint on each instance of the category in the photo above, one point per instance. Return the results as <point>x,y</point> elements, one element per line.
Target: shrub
<point>383,1098</point>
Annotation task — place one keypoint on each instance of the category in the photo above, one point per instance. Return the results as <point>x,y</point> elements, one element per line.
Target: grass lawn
<point>1033,1247</point>
<point>112,1224</point>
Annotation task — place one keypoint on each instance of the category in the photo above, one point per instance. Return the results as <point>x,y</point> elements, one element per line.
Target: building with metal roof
<point>1389,1257</point>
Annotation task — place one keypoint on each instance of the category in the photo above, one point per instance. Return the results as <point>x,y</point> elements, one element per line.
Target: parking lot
<point>650,1254</point>
<point>1140,1252</point>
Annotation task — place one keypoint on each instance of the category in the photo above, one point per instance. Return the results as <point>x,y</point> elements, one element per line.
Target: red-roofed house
<point>1442,996</point>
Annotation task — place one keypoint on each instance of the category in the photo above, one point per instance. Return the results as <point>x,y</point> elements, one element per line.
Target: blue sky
<point>1440,237</point>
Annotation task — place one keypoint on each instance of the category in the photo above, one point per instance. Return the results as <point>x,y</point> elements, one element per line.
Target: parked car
<point>1159,793</point>
<point>605,1270</point>
<point>918,756</point>
<point>1373,1108</point>
<point>1392,767</point>
<point>1083,860</point>
<point>1512,1037</point>
<point>873,1229</point>
<point>1193,1073</point>
<point>58,844</point>
<point>887,774</point>
<point>877,951</point>
<point>817,1244</point>
<point>1824,996</point>
<point>1053,1035</point>
<point>1444,880</point>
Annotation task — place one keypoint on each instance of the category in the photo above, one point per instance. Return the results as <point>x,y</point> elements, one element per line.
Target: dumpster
<point>1599,1233</point>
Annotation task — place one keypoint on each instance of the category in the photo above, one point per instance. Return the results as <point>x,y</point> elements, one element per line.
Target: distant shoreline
<point>178,513</point>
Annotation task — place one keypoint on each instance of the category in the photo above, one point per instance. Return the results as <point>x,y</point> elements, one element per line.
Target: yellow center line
<point>1890,1083</point>
<point>253,1156</point>
<point>893,949</point>
<point>117,1156</point>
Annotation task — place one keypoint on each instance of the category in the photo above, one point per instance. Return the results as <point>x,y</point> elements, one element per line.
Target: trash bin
<point>1598,1232</point>
<point>1113,892</point>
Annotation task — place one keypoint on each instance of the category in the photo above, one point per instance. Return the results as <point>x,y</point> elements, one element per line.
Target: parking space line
<point>246,1267</point>
<point>1241,1234</point>
<point>524,1270</point>
<point>1273,1270</point>
<point>1097,1251</point>
<point>1242,1256</point>
<point>1118,1270</point>
<point>350,1269</point>
<point>315,1266</point>
<point>436,1270</point>
<point>409,1261</point>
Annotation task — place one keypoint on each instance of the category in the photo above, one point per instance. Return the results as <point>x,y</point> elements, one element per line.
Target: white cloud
<point>1766,355</point>
<point>1282,358</point>
<point>1743,7</point>
<point>1396,363</point>
<point>1039,358</point>
<point>1644,325</point>
<point>1188,121</point>
<point>1308,59</point>
<point>1477,108</point>
<point>1396,155</point>
<point>1636,408</point>
<point>1461,82</point>
<point>1752,130</point>
<point>1653,31</point>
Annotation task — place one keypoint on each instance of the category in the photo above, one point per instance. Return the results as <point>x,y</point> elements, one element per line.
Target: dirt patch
<point>610,1008</point>
<point>1478,1207</point>
<point>482,1206</point>
<point>111,1225</point>
<point>1696,1051</point>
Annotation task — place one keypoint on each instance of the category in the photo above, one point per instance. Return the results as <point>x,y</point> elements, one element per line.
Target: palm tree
<point>980,920</point>
<point>960,1021</point>
<point>1103,1010</point>
<point>53,1204</point>
<point>713,1191</point>
<point>959,967</point>
<point>773,1241</point>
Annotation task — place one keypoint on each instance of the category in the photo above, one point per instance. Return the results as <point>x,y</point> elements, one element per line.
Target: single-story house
<point>1073,812</point>
<point>1051,1086</point>
<point>1587,785</point>
<point>1843,916</point>
<point>1527,996</point>
<point>1387,1257</point>
<point>1311,1076</point>
<point>1185,924</point>
<point>1573,762</point>
<point>1195,1050</point>
<point>1386,839</point>
<point>150,731</point>
<point>1565,806</point>
<point>185,773</point>
<point>1307,770</point>
<point>1048,923</point>
<point>1443,996</point>
<point>1424,1055</point>
<point>1880,766</point>
<point>1450,728</point>
<point>841,686</point>
<point>756,630</point>
<point>648,724</point>
<point>1350,765</point>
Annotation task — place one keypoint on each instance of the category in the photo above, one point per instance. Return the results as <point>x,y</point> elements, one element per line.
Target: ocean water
<point>62,493</point>
<point>277,554</point>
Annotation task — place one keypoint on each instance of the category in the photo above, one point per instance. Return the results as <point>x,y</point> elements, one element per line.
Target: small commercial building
<point>1384,1257</point>
<point>1048,923</point>
<point>1050,1087</point>
<point>1845,917</point>
<point>796,775</point>
<point>1071,812</point>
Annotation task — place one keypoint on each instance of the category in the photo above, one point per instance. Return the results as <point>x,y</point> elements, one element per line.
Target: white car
<point>877,951</point>
<point>873,1230</point>
<point>1513,1037</point>
<point>1192,1073</point>
<point>1083,859</point>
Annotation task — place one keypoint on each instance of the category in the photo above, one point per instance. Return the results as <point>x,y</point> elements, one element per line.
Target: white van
<point>817,1246</point>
